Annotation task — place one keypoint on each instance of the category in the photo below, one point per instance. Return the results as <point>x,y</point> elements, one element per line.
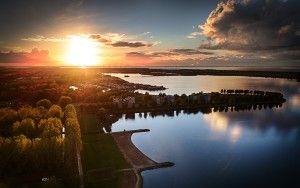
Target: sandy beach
<point>138,161</point>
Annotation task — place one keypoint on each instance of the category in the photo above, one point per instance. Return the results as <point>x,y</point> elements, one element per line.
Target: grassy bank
<point>101,157</point>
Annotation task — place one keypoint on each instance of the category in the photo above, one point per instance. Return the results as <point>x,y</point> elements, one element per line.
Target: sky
<point>150,32</point>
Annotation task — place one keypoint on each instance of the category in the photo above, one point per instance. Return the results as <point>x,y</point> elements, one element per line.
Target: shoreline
<point>137,159</point>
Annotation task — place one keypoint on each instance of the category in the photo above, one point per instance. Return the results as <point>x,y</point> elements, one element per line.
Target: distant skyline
<point>150,33</point>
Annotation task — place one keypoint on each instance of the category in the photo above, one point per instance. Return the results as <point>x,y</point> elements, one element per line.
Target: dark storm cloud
<point>253,25</point>
<point>25,57</point>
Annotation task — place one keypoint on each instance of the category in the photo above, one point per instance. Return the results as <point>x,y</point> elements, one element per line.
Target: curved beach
<point>138,161</point>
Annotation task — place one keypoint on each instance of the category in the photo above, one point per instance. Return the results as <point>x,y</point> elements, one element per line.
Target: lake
<point>257,148</point>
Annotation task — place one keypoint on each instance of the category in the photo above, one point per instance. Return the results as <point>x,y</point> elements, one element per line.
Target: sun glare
<point>82,51</point>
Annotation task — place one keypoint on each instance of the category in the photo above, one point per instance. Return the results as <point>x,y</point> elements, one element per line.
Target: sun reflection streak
<point>219,125</point>
<point>235,133</point>
<point>217,122</point>
<point>295,101</point>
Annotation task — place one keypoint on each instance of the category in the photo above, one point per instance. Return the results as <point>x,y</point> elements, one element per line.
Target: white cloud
<point>194,35</point>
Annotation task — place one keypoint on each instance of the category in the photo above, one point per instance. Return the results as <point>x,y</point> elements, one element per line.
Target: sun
<point>82,51</point>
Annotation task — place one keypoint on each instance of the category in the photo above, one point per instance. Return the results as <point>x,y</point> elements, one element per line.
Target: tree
<point>64,100</point>
<point>70,111</point>
<point>72,141</point>
<point>102,113</point>
<point>55,111</point>
<point>51,128</point>
<point>27,148</point>
<point>7,118</point>
<point>25,127</point>
<point>25,112</point>
<point>44,103</point>
<point>43,112</point>
<point>41,125</point>
<point>147,97</point>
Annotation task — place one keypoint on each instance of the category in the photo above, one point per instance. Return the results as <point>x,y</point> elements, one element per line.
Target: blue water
<point>257,148</point>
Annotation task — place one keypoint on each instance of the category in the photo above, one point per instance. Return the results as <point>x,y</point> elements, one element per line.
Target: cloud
<point>110,39</point>
<point>115,40</point>
<point>194,35</point>
<point>253,25</point>
<point>196,57</point>
<point>187,51</point>
<point>35,56</point>
<point>146,33</point>
<point>130,44</point>
<point>136,54</point>
<point>100,38</point>
<point>169,53</point>
<point>40,38</point>
<point>147,55</point>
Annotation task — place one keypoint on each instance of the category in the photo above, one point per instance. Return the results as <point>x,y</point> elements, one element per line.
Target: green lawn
<point>100,152</point>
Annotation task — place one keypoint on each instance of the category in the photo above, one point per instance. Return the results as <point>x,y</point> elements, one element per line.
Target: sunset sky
<point>150,32</point>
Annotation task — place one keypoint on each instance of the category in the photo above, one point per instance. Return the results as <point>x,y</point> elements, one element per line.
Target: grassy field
<point>101,156</point>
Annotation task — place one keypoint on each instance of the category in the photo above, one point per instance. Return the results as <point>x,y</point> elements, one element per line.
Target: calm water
<point>222,149</point>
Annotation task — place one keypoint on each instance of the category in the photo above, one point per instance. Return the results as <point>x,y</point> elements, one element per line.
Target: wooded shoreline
<point>195,72</point>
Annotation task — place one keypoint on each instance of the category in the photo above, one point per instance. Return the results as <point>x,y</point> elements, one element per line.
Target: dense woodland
<point>26,86</point>
<point>39,141</point>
